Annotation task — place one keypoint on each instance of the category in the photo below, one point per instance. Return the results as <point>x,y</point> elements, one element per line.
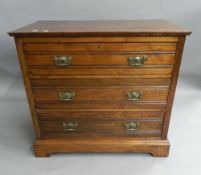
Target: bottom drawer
<point>111,127</point>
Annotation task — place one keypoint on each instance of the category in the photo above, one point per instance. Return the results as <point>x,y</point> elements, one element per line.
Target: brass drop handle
<point>66,96</point>
<point>131,126</point>
<point>134,96</point>
<point>137,60</point>
<point>70,126</point>
<point>62,60</point>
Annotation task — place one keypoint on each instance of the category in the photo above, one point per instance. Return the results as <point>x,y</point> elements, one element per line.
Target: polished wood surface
<point>134,76</point>
<point>175,75</point>
<point>159,148</point>
<point>98,82</point>
<point>101,28</point>
<point>55,129</point>
<point>100,75</point>
<point>105,39</point>
<point>27,84</point>
<point>100,105</point>
<point>101,94</point>
<point>59,115</point>
<point>97,59</point>
<point>135,72</point>
<point>99,47</point>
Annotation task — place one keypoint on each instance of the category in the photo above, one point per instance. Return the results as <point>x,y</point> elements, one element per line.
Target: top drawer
<point>99,47</point>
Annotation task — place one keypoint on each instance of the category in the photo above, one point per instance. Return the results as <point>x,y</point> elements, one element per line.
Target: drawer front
<point>99,47</point>
<point>101,98</point>
<point>101,94</point>
<point>98,82</point>
<point>62,115</point>
<point>98,59</point>
<point>93,127</point>
<point>110,71</point>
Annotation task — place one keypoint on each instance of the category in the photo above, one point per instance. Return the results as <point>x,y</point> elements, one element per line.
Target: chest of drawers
<point>100,86</point>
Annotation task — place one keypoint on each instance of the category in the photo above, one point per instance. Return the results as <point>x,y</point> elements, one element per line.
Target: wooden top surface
<point>100,28</point>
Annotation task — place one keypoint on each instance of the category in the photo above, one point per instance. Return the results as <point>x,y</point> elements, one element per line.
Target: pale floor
<point>16,138</point>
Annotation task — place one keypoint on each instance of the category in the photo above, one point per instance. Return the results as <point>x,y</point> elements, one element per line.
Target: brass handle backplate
<point>134,96</point>
<point>62,60</point>
<point>131,126</point>
<point>137,60</point>
<point>70,126</point>
<point>66,96</point>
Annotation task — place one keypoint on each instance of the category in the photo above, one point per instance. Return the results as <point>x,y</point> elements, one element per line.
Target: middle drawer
<point>45,97</point>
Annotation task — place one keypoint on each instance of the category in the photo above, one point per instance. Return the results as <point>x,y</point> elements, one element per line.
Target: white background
<point>16,133</point>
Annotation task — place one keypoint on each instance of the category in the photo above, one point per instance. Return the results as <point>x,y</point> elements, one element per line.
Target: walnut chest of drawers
<point>100,86</point>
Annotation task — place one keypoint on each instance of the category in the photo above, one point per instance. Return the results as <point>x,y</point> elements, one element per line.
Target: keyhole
<point>99,46</point>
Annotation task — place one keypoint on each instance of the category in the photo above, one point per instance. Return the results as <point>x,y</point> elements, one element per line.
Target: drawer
<point>101,94</point>
<point>100,59</point>
<point>98,82</point>
<point>82,128</point>
<point>60,115</point>
<point>99,47</point>
<point>90,98</point>
<point>111,71</point>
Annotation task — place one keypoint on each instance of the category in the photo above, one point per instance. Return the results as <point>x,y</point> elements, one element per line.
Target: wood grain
<point>27,84</point>
<point>96,59</point>
<point>54,129</point>
<point>86,105</point>
<point>130,71</point>
<point>105,76</point>
<point>98,82</point>
<point>101,94</point>
<point>59,115</point>
<point>105,39</point>
<point>100,76</point>
<point>157,147</point>
<point>102,28</point>
<point>173,86</point>
<point>99,47</point>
